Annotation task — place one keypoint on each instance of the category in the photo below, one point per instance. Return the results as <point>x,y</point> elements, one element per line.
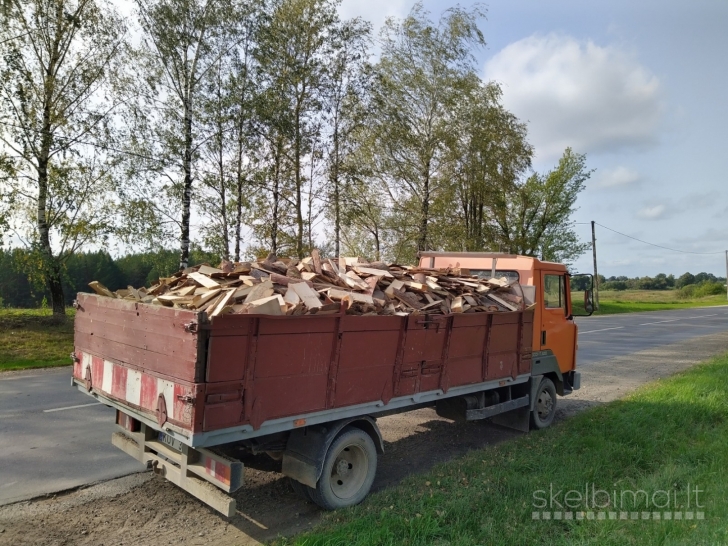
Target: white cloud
<point>618,177</point>
<point>689,202</point>
<point>579,94</point>
<point>656,212</point>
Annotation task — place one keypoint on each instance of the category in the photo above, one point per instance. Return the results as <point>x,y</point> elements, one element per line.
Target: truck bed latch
<point>191,327</point>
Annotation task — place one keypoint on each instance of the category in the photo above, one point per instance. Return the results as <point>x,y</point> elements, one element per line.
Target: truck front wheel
<point>348,473</point>
<point>544,407</point>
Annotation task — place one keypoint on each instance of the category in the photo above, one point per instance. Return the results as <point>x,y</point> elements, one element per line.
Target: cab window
<point>554,292</point>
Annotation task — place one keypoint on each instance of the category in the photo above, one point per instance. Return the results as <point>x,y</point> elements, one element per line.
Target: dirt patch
<point>145,510</point>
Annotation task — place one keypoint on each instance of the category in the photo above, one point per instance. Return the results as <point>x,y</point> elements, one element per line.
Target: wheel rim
<point>544,405</point>
<point>349,471</point>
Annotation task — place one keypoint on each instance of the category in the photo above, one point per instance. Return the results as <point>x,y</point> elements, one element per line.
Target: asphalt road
<point>53,437</point>
<point>609,336</point>
<point>47,444</point>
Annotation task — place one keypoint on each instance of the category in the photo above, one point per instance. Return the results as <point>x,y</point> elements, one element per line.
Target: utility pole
<point>596,275</point>
<point>726,272</point>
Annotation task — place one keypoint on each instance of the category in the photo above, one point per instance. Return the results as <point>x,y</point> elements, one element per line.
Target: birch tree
<point>56,112</point>
<point>183,40</point>
<point>346,83</point>
<point>290,53</point>
<point>419,77</point>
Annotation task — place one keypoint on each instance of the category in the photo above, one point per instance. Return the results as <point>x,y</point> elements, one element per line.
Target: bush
<point>701,290</point>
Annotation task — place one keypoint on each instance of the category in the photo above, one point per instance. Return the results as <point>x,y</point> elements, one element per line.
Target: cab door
<point>558,331</point>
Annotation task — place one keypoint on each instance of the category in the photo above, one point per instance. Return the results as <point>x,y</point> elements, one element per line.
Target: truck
<point>190,392</point>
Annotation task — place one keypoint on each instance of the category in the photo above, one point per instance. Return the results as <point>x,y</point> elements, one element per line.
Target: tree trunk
<point>51,269</point>
<point>335,181</point>
<point>276,197</point>
<point>425,211</point>
<point>238,215</point>
<point>223,196</point>
<point>187,189</point>
<point>299,212</point>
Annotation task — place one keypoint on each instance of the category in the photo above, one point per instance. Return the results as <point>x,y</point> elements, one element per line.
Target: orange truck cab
<point>547,286</point>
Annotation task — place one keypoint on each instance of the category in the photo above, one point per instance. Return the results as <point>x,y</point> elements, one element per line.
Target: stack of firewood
<point>322,286</point>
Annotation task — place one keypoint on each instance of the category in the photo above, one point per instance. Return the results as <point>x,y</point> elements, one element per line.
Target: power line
<point>653,244</point>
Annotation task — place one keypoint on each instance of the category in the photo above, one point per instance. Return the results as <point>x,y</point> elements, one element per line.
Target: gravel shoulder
<point>144,510</point>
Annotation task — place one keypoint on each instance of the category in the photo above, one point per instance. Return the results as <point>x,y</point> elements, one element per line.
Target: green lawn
<point>658,444</point>
<point>631,301</point>
<point>32,338</point>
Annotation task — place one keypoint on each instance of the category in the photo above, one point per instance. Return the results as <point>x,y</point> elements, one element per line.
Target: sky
<point>639,87</point>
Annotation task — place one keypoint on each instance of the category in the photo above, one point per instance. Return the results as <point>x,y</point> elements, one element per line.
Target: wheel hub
<point>545,404</point>
<point>342,468</point>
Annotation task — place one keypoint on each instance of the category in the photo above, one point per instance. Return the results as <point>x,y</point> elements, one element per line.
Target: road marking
<point>602,330</point>
<point>71,407</point>
<point>675,320</point>
<point>660,322</point>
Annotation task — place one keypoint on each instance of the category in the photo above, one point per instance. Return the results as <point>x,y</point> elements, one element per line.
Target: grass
<point>631,301</point>
<point>664,440</point>
<point>33,338</point>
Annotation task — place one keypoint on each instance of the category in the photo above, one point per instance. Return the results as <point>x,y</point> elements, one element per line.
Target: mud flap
<point>520,419</point>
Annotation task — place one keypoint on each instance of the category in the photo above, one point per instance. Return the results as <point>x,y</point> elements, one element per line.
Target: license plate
<point>166,439</point>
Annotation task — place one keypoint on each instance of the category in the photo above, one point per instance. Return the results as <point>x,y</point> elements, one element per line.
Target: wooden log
<point>101,290</point>
<point>502,302</point>
<point>291,297</point>
<point>271,305</point>
<point>372,271</point>
<point>396,284</point>
<point>222,303</point>
<point>261,290</point>
<point>285,281</point>
<point>316,257</point>
<point>207,270</point>
<point>307,294</point>
<point>204,280</point>
<point>338,295</point>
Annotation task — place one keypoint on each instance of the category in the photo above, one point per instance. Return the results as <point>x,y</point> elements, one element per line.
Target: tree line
<point>19,290</point>
<point>689,285</point>
<point>247,127</point>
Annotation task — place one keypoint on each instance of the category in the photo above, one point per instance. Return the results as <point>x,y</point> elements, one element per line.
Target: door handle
<point>543,337</point>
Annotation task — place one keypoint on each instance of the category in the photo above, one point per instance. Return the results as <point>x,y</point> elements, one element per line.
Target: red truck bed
<point>242,376</point>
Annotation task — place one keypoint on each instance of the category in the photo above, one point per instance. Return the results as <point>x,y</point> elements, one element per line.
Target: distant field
<point>631,301</point>
<point>31,338</point>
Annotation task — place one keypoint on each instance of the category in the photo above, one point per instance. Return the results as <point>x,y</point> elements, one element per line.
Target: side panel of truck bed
<point>243,371</point>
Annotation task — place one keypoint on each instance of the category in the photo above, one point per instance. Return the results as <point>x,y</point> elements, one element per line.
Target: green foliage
<point>59,60</point>
<point>425,68</point>
<point>81,268</point>
<point>701,290</point>
<point>661,281</point>
<point>534,218</point>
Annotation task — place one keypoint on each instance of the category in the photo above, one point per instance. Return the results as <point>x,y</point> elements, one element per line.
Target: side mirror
<point>589,301</point>
<point>582,306</point>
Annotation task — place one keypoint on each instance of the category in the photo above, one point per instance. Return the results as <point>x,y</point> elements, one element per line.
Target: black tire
<point>301,489</point>
<point>348,473</point>
<point>544,407</point>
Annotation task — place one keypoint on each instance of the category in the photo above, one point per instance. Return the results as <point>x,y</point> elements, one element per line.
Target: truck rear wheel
<point>544,407</point>
<point>348,473</point>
